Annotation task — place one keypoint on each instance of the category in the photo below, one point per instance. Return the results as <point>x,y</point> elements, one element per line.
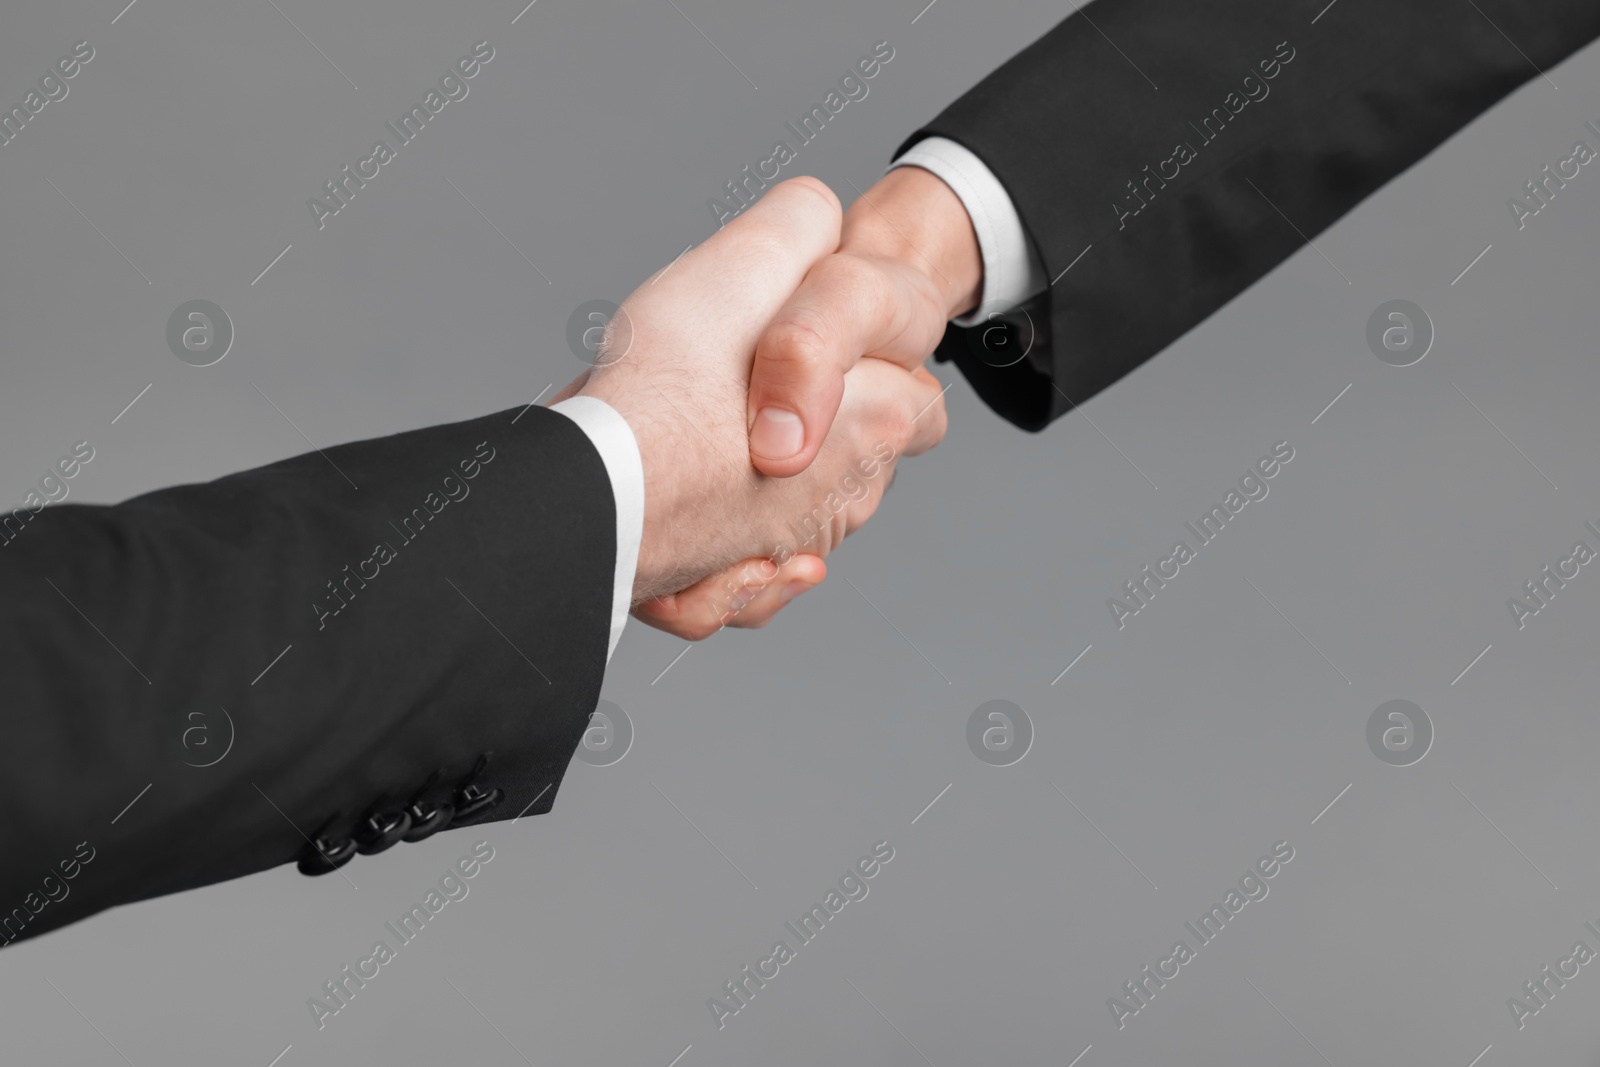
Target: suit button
<point>425,822</point>
<point>325,855</point>
<point>381,831</point>
<point>470,801</point>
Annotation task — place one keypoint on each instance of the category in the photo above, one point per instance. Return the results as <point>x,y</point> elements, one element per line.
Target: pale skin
<point>717,537</point>
<point>908,261</point>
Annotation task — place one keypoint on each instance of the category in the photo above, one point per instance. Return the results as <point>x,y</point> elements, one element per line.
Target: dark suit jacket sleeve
<point>337,635</point>
<point>1071,124</point>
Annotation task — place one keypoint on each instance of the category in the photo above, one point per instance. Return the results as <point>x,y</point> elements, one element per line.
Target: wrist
<point>912,216</point>
<point>672,554</point>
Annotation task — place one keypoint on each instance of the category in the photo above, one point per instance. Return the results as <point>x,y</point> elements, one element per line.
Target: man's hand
<point>908,262</point>
<point>682,382</point>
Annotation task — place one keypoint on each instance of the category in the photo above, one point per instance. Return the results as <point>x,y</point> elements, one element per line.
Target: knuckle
<point>845,523</point>
<point>897,428</point>
<point>700,628</point>
<point>795,344</point>
<point>940,423</point>
<point>922,423</point>
<point>816,188</point>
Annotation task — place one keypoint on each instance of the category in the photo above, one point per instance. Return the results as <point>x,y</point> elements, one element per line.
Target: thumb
<point>848,308</point>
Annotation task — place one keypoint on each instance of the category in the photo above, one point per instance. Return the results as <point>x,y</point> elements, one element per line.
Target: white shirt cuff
<point>619,450</point>
<point>1012,272</point>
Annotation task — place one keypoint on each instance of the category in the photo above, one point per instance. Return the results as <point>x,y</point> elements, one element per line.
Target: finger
<point>742,274</point>
<point>794,577</point>
<point>746,595</point>
<point>903,410</point>
<point>887,413</point>
<point>848,307</point>
<point>929,420</point>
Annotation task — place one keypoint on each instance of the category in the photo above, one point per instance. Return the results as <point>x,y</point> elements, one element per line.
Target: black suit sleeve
<point>408,622</point>
<point>1158,180</point>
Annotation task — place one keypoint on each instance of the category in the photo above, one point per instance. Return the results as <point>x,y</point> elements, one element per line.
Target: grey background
<point>1193,739</point>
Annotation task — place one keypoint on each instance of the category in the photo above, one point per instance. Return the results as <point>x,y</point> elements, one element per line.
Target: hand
<point>682,384</point>
<point>908,262</point>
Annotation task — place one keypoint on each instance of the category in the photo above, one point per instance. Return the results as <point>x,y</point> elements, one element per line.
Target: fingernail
<point>777,433</point>
<point>792,590</point>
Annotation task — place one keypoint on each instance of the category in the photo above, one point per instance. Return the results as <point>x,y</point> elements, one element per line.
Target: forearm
<point>1152,190</point>
<point>335,646</point>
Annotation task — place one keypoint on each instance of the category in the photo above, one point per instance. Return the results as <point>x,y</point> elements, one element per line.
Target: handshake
<point>773,377</point>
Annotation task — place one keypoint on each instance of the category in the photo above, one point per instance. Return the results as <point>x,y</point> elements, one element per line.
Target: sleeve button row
<point>381,830</point>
